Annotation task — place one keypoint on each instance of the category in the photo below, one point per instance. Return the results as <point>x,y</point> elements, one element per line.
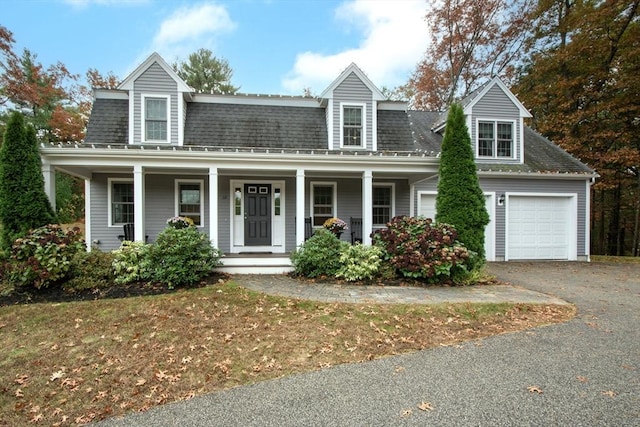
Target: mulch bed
<point>56,294</point>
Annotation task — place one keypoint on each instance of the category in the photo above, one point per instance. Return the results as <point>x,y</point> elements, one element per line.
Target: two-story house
<point>255,172</point>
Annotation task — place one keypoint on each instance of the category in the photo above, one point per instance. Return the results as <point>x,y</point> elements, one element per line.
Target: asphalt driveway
<point>585,372</point>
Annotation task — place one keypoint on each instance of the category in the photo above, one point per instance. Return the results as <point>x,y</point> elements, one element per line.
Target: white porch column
<point>138,202</point>
<point>87,214</point>
<point>367,206</point>
<point>213,206</point>
<point>49,173</point>
<point>299,207</point>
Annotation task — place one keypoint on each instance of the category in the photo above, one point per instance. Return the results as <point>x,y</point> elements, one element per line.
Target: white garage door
<point>427,208</point>
<point>538,227</point>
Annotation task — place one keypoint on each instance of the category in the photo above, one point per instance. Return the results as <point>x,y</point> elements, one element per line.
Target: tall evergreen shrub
<point>23,202</point>
<point>460,201</point>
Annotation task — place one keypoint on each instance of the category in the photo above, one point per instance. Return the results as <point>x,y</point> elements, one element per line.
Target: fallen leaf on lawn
<point>398,369</point>
<point>582,379</point>
<point>609,393</point>
<point>534,389</point>
<point>19,393</point>
<point>141,381</point>
<point>56,375</point>
<point>407,413</point>
<point>425,406</point>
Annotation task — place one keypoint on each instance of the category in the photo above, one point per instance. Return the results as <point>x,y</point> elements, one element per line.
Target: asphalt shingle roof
<point>109,122</point>
<point>289,127</point>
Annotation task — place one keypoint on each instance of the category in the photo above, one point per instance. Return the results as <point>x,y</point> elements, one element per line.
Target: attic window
<point>156,118</point>
<point>495,139</point>
<point>352,126</point>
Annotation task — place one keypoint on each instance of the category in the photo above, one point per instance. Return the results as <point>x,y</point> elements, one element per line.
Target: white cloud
<point>191,28</point>
<point>395,37</point>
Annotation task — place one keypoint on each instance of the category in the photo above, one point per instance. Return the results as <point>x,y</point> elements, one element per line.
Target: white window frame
<point>363,134</point>
<point>392,212</point>
<point>495,138</point>
<point>200,182</point>
<point>312,186</point>
<point>143,117</point>
<point>110,182</point>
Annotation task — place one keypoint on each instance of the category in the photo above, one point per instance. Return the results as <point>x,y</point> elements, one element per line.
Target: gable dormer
<point>351,111</point>
<point>157,103</point>
<point>495,118</point>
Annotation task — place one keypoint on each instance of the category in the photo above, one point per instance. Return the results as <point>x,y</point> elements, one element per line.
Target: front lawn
<point>77,362</point>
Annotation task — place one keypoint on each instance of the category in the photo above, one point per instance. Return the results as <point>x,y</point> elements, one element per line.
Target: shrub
<point>43,257</point>
<point>419,249</point>
<point>131,262</point>
<point>90,270</point>
<point>318,256</point>
<point>359,262</point>
<point>181,257</point>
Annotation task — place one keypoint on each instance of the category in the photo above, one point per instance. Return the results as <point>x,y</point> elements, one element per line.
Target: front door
<point>257,215</point>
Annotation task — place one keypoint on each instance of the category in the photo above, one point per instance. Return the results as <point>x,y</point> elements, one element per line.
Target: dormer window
<point>352,126</point>
<point>495,139</point>
<point>156,118</point>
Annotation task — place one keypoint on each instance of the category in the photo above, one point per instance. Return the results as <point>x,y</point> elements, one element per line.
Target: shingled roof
<point>109,122</point>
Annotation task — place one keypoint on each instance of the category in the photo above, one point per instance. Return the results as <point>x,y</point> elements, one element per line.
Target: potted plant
<point>335,225</point>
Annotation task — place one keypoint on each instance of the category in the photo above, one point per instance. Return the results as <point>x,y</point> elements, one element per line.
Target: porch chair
<point>129,233</point>
<point>355,224</point>
<point>308,229</point>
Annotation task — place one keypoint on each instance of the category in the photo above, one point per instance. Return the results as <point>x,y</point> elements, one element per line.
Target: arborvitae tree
<point>23,202</point>
<point>206,73</point>
<point>460,201</point>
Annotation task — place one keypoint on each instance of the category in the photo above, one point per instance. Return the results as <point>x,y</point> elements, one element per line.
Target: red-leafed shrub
<point>417,248</point>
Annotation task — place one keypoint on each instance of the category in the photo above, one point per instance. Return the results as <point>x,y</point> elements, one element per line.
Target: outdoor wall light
<point>501,200</point>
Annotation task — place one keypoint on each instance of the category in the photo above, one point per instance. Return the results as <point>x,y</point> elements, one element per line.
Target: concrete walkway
<point>286,286</point>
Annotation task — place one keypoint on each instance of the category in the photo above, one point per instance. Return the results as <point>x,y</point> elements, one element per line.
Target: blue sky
<point>273,46</point>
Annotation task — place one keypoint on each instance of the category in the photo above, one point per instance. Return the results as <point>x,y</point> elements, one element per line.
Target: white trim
<point>110,94</point>
<point>330,129</point>
<point>428,193</point>
<point>139,213</point>
<point>110,182</point>
<point>181,118</point>
<point>250,99</point>
<point>332,184</point>
<point>490,251</point>
<point>300,202</point>
<point>143,118</point>
<point>213,206</point>
<point>176,189</point>
<point>587,221</point>
<point>87,214</point>
<point>391,185</point>
<point>132,117</point>
<point>276,229</point>
<point>521,142</point>
<point>363,134</point>
<point>495,139</point>
<point>374,126</point>
<point>367,211</point>
<point>572,225</point>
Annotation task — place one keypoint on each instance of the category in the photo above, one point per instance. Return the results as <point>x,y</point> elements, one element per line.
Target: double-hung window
<point>156,118</point>
<point>189,200</point>
<point>121,202</point>
<point>323,201</point>
<point>352,126</point>
<point>495,139</point>
<point>382,204</point>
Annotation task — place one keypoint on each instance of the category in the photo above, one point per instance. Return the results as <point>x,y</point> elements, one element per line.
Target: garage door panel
<point>538,227</point>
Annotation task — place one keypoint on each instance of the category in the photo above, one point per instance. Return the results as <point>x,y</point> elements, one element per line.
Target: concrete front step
<point>256,264</point>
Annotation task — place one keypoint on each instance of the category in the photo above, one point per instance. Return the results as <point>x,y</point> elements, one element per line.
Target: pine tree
<point>23,202</point>
<point>206,73</point>
<point>460,201</point>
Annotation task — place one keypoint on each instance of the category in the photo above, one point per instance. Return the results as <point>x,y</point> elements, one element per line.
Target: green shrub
<point>90,270</point>
<point>419,249</point>
<point>131,262</point>
<point>181,257</point>
<point>43,257</point>
<point>318,256</point>
<point>359,262</point>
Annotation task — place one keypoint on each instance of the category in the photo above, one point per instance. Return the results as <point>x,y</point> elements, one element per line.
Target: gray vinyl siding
<point>159,205</point>
<point>352,90</point>
<point>510,185</point>
<point>224,212</point>
<point>496,105</point>
<point>155,81</point>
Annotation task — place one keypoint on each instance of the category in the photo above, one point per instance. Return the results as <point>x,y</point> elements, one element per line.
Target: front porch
<point>256,263</point>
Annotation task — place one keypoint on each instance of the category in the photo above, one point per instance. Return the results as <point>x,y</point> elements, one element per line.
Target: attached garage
<point>540,227</point>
